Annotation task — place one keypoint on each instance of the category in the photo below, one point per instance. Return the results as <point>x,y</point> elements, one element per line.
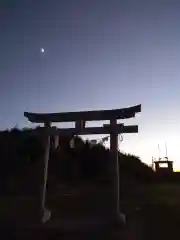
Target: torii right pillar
<point>120,217</point>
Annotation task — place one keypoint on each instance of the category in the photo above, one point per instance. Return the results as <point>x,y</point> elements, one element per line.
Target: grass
<point>160,211</point>
<point>153,210</point>
<point>82,203</point>
<point>166,195</point>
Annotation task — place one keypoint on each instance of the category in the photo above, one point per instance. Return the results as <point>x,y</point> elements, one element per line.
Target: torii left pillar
<point>45,214</point>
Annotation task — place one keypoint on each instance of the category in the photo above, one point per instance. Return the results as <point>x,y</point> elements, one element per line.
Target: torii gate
<point>80,119</point>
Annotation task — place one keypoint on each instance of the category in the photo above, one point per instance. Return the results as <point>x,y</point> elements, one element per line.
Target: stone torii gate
<point>80,119</point>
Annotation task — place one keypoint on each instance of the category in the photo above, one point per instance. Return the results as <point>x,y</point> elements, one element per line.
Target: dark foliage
<point>22,150</point>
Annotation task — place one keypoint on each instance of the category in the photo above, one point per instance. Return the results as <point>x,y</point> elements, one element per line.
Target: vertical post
<point>46,160</point>
<point>166,151</point>
<point>115,170</point>
<point>115,164</point>
<point>46,213</point>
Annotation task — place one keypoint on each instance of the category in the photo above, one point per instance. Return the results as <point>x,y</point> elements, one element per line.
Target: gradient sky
<point>99,54</point>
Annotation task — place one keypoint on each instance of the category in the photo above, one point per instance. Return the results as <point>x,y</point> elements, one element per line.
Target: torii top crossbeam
<point>98,115</point>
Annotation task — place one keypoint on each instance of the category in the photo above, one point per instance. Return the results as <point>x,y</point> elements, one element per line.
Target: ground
<point>158,212</point>
<point>152,213</point>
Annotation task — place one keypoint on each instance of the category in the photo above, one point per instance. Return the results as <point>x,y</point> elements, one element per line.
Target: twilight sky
<point>99,54</point>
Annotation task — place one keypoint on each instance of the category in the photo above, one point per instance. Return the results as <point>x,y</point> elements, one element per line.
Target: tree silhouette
<point>21,150</point>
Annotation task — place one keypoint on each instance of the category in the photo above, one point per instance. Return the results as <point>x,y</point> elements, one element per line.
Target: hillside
<point>21,151</point>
